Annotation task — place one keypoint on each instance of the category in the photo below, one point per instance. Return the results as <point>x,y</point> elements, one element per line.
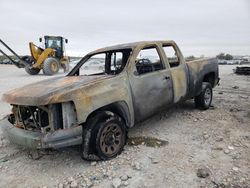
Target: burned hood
<point>41,93</point>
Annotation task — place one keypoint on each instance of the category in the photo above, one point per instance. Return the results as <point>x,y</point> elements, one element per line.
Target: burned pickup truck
<point>105,94</point>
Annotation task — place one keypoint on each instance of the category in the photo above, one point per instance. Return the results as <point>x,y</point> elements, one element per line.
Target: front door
<point>151,83</point>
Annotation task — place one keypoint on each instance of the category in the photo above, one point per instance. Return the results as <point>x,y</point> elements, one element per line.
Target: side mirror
<point>66,41</point>
<point>40,39</point>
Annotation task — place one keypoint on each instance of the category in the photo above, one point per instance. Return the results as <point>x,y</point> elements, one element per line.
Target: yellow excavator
<point>50,59</point>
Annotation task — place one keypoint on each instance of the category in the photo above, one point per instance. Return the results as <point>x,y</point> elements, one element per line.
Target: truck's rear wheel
<point>32,71</point>
<point>51,66</point>
<point>204,99</point>
<point>107,135</point>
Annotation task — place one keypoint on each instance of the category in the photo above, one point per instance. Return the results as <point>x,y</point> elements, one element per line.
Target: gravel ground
<point>202,149</point>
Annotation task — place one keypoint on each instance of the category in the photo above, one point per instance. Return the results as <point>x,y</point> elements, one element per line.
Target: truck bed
<point>198,70</point>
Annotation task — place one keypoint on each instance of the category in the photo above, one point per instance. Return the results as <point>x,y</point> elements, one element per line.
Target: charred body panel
<point>202,70</point>
<point>152,91</point>
<point>50,91</point>
<point>56,111</point>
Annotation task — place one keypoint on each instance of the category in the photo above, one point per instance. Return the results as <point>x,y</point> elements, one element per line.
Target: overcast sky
<point>200,27</point>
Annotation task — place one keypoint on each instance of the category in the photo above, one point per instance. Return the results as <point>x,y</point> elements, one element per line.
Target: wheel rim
<point>207,96</point>
<point>111,139</point>
<point>54,66</point>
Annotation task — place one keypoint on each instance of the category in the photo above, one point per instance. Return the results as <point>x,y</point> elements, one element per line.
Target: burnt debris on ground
<point>242,70</point>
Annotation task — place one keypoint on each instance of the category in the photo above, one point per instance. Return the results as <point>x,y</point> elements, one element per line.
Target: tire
<point>107,136</point>
<point>32,71</point>
<point>66,67</point>
<point>29,69</point>
<point>51,66</point>
<point>204,99</point>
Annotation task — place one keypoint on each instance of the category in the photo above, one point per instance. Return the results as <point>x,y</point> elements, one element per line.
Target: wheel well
<point>210,77</point>
<point>120,108</point>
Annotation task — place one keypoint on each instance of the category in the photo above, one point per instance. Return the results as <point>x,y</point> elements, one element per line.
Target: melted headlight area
<point>44,118</point>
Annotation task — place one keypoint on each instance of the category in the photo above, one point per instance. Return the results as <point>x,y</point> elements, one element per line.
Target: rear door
<point>178,70</point>
<point>150,82</point>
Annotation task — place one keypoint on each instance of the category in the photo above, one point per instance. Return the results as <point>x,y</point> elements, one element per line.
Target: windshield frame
<point>76,70</point>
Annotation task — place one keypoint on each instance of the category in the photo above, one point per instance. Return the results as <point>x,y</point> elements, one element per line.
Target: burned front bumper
<point>37,140</point>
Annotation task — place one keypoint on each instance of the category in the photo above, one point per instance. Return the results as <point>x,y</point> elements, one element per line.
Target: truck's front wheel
<point>204,100</point>
<point>107,136</point>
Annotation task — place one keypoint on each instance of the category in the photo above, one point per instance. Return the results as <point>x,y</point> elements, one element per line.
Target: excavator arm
<point>20,63</point>
<point>39,54</point>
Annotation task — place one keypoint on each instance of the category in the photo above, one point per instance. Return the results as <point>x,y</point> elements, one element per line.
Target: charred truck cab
<point>106,93</point>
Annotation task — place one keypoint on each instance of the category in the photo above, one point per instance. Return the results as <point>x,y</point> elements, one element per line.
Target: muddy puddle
<point>147,141</point>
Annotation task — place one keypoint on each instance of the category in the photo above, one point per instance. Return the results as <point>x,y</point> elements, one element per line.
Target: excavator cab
<point>56,43</point>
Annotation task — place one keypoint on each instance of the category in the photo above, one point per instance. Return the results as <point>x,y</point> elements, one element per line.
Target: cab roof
<point>131,45</point>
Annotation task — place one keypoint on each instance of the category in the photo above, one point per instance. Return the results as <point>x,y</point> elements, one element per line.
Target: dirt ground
<point>213,144</point>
